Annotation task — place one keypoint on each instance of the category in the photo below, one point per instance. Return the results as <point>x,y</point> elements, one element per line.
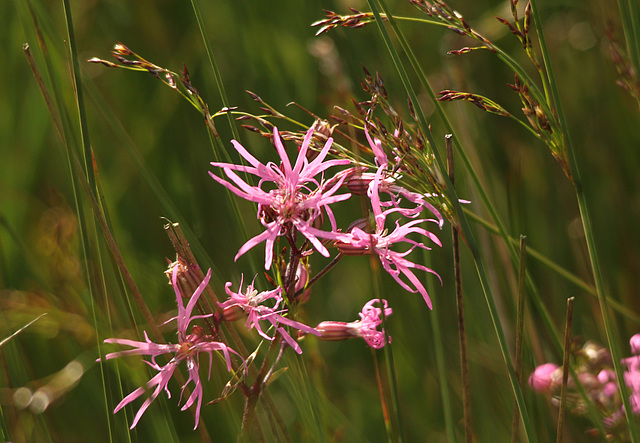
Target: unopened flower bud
<point>302,279</point>
<point>335,330</point>
<point>545,377</point>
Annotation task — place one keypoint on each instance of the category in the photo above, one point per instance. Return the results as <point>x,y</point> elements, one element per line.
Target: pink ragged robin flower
<point>366,327</point>
<point>384,181</point>
<point>252,303</point>
<point>359,242</point>
<point>290,198</point>
<point>380,182</point>
<point>188,349</point>
<point>362,238</point>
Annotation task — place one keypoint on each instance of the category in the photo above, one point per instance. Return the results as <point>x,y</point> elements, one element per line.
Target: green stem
<point>462,334</point>
<point>464,226</point>
<point>609,325</point>
<point>519,328</point>
<point>77,83</point>
<point>214,67</point>
<point>441,366</point>
<point>392,418</point>
<point>563,272</point>
<point>565,370</point>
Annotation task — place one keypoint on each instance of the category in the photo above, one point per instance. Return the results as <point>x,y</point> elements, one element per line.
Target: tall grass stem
<point>462,334</point>
<point>609,325</point>
<point>214,68</point>
<point>465,229</point>
<point>520,313</point>
<point>565,370</point>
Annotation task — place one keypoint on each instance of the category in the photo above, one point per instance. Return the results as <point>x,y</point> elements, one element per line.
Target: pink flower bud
<point>635,344</point>
<point>335,330</point>
<point>545,377</point>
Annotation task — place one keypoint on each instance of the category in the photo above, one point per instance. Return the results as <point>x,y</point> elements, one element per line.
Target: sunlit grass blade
<point>79,177</point>
<point>565,369</point>
<point>4,432</point>
<point>386,371</point>
<point>307,399</point>
<point>630,18</point>
<point>62,123</point>
<point>214,67</point>
<point>7,339</point>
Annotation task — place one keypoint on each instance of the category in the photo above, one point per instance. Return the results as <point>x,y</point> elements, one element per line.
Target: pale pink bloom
<point>296,200</point>
<point>545,377</point>
<point>366,327</point>
<point>188,349</point>
<point>251,302</point>
<point>632,375</point>
<point>376,147</point>
<point>360,242</point>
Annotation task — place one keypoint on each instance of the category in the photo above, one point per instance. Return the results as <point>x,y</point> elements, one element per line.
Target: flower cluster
<point>294,200</point>
<point>299,201</point>
<point>596,375</point>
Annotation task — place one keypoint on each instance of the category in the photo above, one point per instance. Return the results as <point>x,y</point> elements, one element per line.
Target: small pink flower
<point>370,319</point>
<point>375,184</point>
<point>188,349</point>
<point>366,327</point>
<point>359,242</point>
<point>545,377</point>
<point>297,199</point>
<point>251,302</point>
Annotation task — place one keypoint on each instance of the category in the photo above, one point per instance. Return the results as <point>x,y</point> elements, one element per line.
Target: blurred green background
<point>269,48</point>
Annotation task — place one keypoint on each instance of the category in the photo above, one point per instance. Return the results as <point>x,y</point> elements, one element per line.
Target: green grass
<point>152,151</point>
